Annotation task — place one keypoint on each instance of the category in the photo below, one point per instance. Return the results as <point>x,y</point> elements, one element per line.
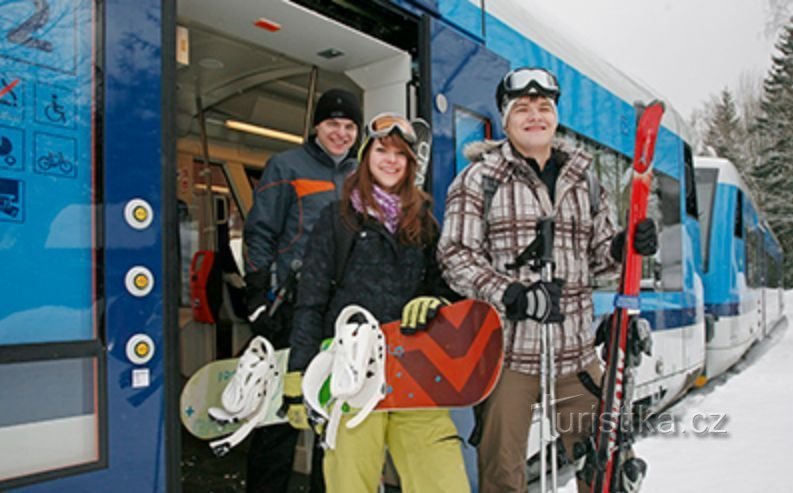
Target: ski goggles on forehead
<point>524,79</point>
<point>384,124</point>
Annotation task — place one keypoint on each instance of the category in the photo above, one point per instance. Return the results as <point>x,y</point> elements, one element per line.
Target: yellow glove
<point>419,312</point>
<point>293,401</point>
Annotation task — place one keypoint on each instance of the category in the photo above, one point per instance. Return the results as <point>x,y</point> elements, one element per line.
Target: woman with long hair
<point>390,266</point>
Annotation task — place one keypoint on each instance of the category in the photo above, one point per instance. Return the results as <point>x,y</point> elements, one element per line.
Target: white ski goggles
<point>531,81</point>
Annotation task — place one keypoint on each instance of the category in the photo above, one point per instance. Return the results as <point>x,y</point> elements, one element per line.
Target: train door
<point>250,75</point>
<point>459,70</point>
<point>83,345</point>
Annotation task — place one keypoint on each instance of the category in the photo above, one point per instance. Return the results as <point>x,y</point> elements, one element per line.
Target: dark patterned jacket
<point>473,250</point>
<point>381,275</point>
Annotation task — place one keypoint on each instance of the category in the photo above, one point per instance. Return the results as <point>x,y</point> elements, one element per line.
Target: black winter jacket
<point>381,275</point>
<point>295,186</point>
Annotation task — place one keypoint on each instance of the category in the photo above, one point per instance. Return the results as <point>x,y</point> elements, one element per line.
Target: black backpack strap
<point>589,384</point>
<point>489,187</point>
<point>594,191</point>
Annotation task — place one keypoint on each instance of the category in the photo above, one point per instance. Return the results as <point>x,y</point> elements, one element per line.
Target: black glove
<point>257,285</point>
<point>645,241</point>
<point>539,301</point>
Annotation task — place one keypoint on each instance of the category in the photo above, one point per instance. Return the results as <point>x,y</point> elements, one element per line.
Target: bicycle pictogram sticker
<point>55,155</point>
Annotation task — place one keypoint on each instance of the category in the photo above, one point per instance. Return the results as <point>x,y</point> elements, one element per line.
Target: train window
<point>666,267</point>
<point>468,127</point>
<point>738,231</point>
<point>46,399</point>
<point>664,270</point>
<point>753,259</point>
<point>691,189</point>
<point>611,169</point>
<point>706,186</point>
<point>63,244</point>
<point>668,192</point>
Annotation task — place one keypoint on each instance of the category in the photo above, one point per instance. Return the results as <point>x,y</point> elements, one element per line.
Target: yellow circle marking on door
<point>141,349</point>
<point>141,281</point>
<point>140,213</point>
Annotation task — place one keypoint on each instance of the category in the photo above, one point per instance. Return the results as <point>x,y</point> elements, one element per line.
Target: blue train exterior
<point>100,235</point>
<point>596,111</point>
<point>742,265</point>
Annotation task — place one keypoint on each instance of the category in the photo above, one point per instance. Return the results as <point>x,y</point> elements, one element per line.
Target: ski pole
<point>539,255</point>
<point>545,233</point>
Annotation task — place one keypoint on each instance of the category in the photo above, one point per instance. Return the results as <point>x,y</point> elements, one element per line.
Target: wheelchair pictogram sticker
<point>12,205</point>
<point>55,105</point>
<point>12,148</point>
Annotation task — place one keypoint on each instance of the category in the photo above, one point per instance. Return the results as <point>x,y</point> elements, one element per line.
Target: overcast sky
<point>685,49</point>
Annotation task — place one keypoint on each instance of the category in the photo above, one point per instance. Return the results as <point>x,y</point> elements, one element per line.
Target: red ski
<point>612,442</point>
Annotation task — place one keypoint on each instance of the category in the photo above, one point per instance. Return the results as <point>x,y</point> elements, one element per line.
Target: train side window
<point>706,191</point>
<point>751,247</point>
<point>666,267</point>
<point>468,127</point>
<point>738,232</point>
<point>691,189</point>
<point>611,169</point>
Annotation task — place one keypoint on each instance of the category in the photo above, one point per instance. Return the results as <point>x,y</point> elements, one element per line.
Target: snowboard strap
<point>248,395</point>
<point>354,364</point>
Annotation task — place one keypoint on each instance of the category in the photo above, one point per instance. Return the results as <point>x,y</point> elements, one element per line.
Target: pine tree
<point>774,171</point>
<point>724,132</point>
<point>748,96</point>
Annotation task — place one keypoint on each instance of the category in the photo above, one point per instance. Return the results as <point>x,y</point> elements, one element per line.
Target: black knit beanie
<point>338,103</point>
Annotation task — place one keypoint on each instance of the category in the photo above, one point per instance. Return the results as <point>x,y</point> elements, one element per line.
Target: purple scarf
<point>389,203</point>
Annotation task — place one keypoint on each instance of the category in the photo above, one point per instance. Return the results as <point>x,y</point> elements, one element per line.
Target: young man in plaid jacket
<point>492,210</point>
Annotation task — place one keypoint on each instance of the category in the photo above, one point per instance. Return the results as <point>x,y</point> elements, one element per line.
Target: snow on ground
<point>732,436</point>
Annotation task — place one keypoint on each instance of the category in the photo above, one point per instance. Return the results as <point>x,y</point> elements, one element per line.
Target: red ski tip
<point>649,123</point>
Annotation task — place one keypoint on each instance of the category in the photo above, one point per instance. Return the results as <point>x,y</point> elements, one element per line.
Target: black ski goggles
<point>385,124</point>
<point>531,81</point>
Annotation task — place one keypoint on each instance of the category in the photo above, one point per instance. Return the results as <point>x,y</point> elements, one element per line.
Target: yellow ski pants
<point>423,444</point>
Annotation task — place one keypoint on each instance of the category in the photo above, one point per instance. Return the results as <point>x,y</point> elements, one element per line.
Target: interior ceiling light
<point>211,63</point>
<point>330,53</point>
<point>267,24</point>
<point>264,131</point>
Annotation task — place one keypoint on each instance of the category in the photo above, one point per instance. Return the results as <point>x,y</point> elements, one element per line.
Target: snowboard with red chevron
<point>456,362</point>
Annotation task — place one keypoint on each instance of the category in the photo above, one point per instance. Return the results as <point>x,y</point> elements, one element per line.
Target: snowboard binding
<point>349,375</point>
<point>248,396</point>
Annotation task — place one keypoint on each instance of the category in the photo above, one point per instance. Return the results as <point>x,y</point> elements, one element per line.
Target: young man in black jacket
<point>295,186</point>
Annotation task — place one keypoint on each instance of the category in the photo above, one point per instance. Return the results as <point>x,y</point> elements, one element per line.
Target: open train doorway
<point>248,76</point>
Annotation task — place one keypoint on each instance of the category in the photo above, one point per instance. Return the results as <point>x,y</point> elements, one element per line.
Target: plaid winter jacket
<point>474,248</point>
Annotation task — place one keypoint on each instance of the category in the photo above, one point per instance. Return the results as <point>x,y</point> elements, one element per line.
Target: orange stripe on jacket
<point>310,187</point>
